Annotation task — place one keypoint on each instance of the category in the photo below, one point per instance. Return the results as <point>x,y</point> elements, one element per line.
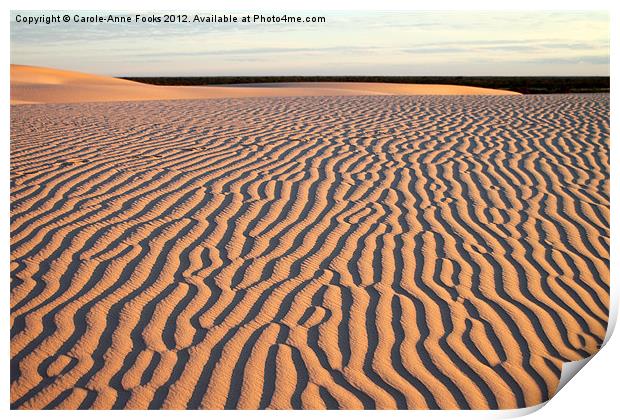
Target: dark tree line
<point>527,85</point>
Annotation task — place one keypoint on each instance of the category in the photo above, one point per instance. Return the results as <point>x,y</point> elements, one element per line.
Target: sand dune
<point>328,252</point>
<point>43,85</point>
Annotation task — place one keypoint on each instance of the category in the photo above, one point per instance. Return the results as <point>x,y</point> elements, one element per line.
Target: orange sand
<point>318,252</point>
<point>43,85</point>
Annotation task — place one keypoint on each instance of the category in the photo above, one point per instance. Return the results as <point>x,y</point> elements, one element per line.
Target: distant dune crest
<point>31,84</point>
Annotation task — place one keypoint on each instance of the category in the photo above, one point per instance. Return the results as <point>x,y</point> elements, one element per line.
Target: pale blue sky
<point>350,43</point>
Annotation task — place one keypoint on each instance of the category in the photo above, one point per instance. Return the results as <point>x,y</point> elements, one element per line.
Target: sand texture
<point>44,85</point>
<point>317,252</point>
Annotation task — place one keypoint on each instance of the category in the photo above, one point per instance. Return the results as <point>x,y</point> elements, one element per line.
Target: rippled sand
<point>317,252</point>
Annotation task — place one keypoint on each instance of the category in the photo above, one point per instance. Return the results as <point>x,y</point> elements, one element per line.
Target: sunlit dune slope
<point>43,85</point>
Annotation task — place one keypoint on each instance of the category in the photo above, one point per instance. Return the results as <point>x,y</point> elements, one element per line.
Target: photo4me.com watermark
<point>67,17</point>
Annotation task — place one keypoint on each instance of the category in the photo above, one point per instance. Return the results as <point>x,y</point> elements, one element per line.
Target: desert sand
<point>304,252</point>
<point>44,85</point>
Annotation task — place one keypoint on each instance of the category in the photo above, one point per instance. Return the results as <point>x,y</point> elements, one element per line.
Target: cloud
<point>420,42</point>
<point>589,59</point>
<point>532,46</point>
<point>263,51</point>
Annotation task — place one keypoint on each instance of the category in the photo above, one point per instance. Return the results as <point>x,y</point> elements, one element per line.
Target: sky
<point>412,43</point>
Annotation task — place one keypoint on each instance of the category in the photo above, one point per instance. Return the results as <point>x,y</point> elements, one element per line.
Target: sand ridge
<point>319,252</point>
<point>31,84</point>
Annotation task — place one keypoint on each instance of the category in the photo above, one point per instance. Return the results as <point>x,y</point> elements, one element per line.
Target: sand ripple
<point>319,252</point>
